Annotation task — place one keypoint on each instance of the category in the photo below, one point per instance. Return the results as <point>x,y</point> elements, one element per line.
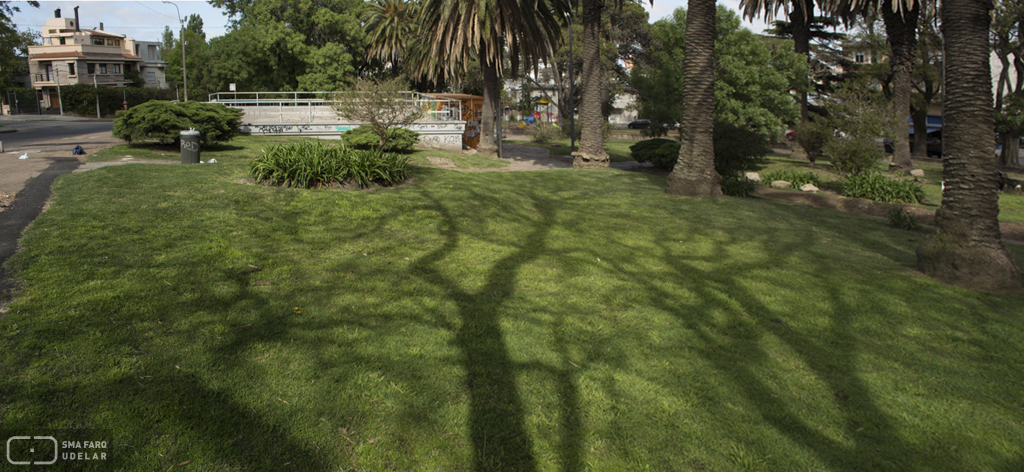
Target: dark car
<point>639,124</point>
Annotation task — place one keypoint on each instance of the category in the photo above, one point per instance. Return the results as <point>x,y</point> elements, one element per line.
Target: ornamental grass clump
<point>313,164</point>
<point>878,187</point>
<point>794,177</point>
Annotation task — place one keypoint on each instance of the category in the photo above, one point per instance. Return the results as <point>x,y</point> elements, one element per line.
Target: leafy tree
<point>196,57</point>
<point>801,18</point>
<point>747,93</point>
<point>284,43</point>
<point>385,105</point>
<point>13,44</point>
<point>695,175</point>
<point>967,250</point>
<point>927,75</point>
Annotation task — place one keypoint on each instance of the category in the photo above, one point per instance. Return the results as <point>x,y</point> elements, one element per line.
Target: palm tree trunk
<point>800,18</point>
<point>901,29</point>
<point>487,145</point>
<point>694,173</point>
<point>591,153</point>
<point>921,133</point>
<point>967,250</point>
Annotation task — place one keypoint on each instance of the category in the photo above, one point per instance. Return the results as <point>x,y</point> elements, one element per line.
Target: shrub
<point>736,150</point>
<point>852,156</point>
<point>543,133</point>
<point>794,177</point>
<point>165,120</point>
<point>401,140</point>
<point>660,152</point>
<point>813,135</point>
<point>878,187</point>
<point>313,164</point>
<point>900,218</point>
<point>737,186</point>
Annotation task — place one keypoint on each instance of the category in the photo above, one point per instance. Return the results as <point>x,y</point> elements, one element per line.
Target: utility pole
<point>97,95</point>
<point>56,71</point>
<point>184,68</point>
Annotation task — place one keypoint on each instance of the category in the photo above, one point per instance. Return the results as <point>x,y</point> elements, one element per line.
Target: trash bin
<point>190,147</point>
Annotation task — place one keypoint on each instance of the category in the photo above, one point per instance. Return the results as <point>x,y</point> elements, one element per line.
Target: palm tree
<point>389,24</point>
<point>900,18</point>
<point>593,91</point>
<point>694,173</point>
<point>967,250</point>
<point>457,32</point>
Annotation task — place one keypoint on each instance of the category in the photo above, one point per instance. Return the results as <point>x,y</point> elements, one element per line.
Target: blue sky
<point>145,20</point>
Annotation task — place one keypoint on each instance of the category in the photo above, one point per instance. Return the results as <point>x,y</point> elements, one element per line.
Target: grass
<point>558,320</point>
<point>248,147</point>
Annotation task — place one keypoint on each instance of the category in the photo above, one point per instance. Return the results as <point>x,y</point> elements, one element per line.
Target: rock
<point>808,188</point>
<point>917,172</point>
<point>470,152</point>
<point>753,177</point>
<point>781,184</point>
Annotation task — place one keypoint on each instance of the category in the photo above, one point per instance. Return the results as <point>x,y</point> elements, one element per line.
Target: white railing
<point>314,106</point>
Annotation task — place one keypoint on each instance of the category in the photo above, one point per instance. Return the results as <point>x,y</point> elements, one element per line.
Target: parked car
<point>639,124</point>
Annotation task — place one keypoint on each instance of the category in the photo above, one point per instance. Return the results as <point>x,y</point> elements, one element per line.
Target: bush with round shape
<point>164,121</point>
<point>401,139</point>
<point>881,188</point>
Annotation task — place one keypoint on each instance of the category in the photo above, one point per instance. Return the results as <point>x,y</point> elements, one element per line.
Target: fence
<point>312,107</point>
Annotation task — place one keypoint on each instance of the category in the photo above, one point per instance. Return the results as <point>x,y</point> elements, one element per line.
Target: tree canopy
<point>752,77</point>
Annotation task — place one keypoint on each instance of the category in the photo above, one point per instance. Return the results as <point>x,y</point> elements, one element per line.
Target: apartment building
<point>70,55</point>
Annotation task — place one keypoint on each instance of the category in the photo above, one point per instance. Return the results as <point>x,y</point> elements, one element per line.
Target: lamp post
<point>184,76</point>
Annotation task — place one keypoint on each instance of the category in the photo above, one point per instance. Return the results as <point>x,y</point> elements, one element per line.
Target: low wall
<point>446,135</point>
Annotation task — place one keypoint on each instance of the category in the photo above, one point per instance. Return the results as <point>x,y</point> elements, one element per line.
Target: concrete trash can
<point>190,147</point>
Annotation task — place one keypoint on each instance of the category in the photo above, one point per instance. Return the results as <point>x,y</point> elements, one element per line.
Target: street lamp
<point>184,76</point>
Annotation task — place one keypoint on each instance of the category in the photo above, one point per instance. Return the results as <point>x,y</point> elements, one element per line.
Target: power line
<point>154,11</point>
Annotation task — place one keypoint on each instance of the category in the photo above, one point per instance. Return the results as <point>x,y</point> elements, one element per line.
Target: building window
<point>127,67</point>
<point>71,68</point>
<point>103,68</point>
<point>154,53</point>
<point>90,68</point>
<point>97,41</point>
<point>48,70</point>
<point>63,40</point>
<point>858,58</point>
<point>115,68</point>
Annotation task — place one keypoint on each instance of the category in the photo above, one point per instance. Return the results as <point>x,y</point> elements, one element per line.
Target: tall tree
<point>458,31</point>
<point>13,44</point>
<point>751,76</point>
<point>593,91</point>
<point>967,250</point>
<point>594,88</point>
<point>389,26</point>
<point>801,17</point>
<point>927,75</point>
<point>1008,45</point>
<point>694,174</point>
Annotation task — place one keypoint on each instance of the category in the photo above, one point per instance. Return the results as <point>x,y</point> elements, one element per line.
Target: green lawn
<point>557,320</point>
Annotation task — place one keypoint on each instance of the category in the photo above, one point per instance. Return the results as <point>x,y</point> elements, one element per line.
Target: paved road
<point>25,183</point>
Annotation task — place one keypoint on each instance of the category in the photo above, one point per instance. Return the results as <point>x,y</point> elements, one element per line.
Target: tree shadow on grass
<point>734,348</point>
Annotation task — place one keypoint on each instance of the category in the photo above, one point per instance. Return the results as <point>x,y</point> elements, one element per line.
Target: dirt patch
<point>1013,232</point>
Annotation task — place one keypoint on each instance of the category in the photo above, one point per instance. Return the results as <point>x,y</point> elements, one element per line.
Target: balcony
<point>101,79</point>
